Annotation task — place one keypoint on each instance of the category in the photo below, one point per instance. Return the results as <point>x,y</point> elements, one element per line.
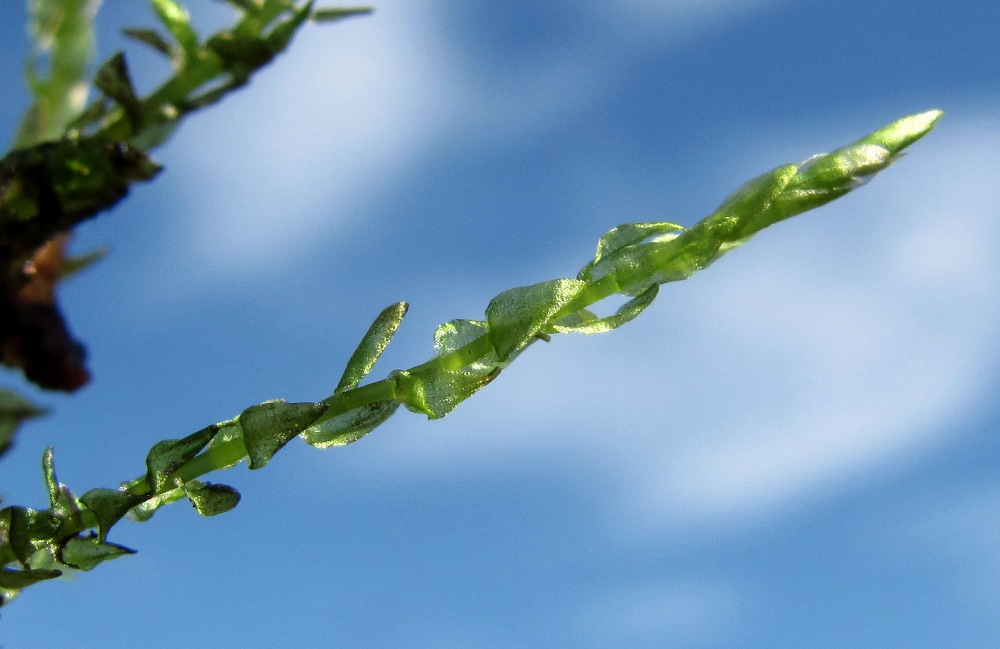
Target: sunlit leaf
<point>49,474</point>
<point>625,235</point>
<point>270,425</point>
<point>350,426</point>
<point>374,342</point>
<point>435,392</point>
<point>28,530</point>
<point>517,315</point>
<point>903,132</point>
<point>64,504</point>
<point>670,259</point>
<point>86,553</point>
<point>622,254</point>
<point>456,334</point>
<point>211,499</point>
<point>177,21</point>
<point>229,431</point>
<point>145,509</point>
<point>748,209</point>
<point>584,322</point>
<point>169,455</point>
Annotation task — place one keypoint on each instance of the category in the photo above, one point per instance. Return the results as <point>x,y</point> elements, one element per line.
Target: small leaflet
<point>18,579</point>
<point>169,455</point>
<point>585,322</point>
<point>282,33</point>
<point>86,553</point>
<point>348,427</point>
<point>268,426</point>
<point>211,499</point>
<point>176,19</point>
<point>435,392</point>
<point>109,506</point>
<point>374,342</point>
<point>151,38</point>
<point>516,316</point>
<point>29,530</point>
<point>113,79</point>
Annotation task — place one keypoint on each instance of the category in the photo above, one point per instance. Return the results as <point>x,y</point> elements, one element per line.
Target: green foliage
<point>69,163</point>
<point>205,70</point>
<point>61,31</point>
<point>632,260</point>
<point>14,409</point>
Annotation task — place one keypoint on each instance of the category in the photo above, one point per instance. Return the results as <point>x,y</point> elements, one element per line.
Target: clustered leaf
<point>62,34</point>
<point>71,167</point>
<point>71,161</point>
<point>632,260</point>
<point>205,70</point>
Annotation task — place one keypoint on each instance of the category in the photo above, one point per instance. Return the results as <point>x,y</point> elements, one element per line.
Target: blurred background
<point>795,448</point>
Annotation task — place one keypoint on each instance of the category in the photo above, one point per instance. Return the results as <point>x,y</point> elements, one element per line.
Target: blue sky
<point>795,448</point>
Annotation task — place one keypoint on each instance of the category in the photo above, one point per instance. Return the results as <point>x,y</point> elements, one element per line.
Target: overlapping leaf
<point>270,425</point>
<point>631,260</point>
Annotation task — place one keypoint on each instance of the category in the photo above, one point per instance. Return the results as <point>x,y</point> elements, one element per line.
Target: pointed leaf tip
<point>85,553</point>
<point>375,340</point>
<point>337,13</point>
<point>905,131</point>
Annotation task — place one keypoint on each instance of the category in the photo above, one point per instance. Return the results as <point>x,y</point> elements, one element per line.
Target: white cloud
<point>344,114</point>
<point>688,611</point>
<point>339,115</point>
<point>670,19</point>
<point>352,107</point>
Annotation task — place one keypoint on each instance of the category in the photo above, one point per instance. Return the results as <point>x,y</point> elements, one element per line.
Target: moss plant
<point>71,160</point>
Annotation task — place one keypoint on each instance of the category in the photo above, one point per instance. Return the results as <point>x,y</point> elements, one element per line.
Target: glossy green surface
<point>632,259</point>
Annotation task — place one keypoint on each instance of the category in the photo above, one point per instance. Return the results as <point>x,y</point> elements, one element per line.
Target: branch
<point>632,259</point>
